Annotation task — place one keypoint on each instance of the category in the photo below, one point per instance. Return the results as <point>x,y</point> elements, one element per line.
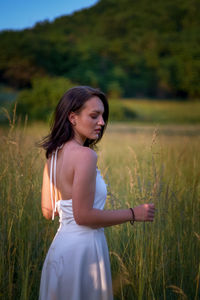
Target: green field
<point>140,163</point>
<point>143,111</point>
<point>137,111</point>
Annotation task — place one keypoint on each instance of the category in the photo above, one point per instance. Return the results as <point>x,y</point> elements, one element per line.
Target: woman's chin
<point>97,136</point>
<point>94,136</point>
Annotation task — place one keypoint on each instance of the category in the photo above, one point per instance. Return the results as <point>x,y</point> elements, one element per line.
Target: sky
<point>20,14</point>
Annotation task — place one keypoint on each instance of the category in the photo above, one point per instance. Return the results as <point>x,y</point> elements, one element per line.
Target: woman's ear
<point>72,118</point>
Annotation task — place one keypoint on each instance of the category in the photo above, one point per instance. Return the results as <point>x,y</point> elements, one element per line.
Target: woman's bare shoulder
<point>87,153</point>
<point>47,165</point>
<point>81,156</point>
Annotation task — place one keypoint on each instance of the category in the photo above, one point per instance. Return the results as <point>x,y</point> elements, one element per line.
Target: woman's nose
<point>101,121</point>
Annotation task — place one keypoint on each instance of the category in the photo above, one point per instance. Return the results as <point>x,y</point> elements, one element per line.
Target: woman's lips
<point>98,130</point>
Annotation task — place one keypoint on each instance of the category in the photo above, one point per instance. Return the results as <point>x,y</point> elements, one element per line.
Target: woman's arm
<point>46,195</point>
<point>83,193</point>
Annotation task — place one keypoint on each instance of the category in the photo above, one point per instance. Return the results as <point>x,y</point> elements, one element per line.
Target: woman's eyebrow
<point>97,111</point>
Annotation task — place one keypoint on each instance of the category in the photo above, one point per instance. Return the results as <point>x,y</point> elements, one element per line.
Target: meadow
<point>140,164</point>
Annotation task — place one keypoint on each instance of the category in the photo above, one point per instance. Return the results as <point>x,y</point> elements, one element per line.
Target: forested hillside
<point>128,48</point>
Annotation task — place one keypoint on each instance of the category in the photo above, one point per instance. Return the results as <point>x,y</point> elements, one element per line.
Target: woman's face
<point>88,123</point>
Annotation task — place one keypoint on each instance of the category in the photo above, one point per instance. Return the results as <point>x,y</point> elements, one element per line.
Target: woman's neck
<point>78,140</point>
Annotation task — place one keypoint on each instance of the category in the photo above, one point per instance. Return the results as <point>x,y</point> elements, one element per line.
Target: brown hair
<point>61,129</point>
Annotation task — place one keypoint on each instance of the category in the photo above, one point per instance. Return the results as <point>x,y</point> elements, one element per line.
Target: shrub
<point>40,101</point>
<point>119,112</point>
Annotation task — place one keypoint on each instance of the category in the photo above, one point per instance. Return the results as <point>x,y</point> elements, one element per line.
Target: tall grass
<point>159,260</point>
<point>25,236</point>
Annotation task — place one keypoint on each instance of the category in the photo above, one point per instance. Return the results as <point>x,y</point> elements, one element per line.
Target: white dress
<point>77,265</point>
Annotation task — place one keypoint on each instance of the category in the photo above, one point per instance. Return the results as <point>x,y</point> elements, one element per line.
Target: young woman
<point>77,264</point>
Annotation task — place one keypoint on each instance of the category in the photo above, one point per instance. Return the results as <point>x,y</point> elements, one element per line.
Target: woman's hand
<point>144,212</point>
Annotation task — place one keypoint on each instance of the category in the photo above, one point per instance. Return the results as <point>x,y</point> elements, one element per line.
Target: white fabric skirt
<point>77,266</point>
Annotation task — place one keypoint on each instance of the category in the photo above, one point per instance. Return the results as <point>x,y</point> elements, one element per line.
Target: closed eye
<point>94,117</point>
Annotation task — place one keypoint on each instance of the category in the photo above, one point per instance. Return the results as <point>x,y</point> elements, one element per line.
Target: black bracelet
<point>132,221</point>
